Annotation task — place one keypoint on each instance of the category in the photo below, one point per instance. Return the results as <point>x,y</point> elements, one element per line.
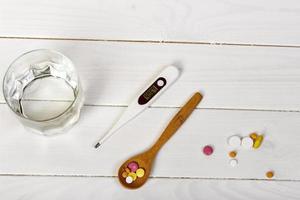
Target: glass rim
<point>76,92</point>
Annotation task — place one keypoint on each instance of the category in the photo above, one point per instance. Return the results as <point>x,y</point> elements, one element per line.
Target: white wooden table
<point>243,55</point>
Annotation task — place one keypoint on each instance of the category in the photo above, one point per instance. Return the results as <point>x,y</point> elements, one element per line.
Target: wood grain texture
<point>73,153</point>
<point>229,76</point>
<point>229,21</point>
<point>78,188</point>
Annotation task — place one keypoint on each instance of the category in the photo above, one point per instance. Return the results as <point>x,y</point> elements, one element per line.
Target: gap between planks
<point>152,41</point>
<point>170,107</point>
<point>152,177</point>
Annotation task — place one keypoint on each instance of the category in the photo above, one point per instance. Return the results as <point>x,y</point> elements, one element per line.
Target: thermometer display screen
<point>152,91</point>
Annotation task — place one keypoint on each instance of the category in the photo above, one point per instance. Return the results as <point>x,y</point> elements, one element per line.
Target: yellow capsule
<point>127,170</point>
<point>253,136</point>
<point>258,141</point>
<point>132,175</point>
<point>140,172</point>
<point>124,174</point>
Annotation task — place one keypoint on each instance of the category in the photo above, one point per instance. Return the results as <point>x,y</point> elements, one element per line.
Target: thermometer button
<point>160,83</point>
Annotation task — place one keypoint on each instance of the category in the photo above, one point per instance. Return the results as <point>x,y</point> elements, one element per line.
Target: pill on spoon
<point>124,174</point>
<point>140,172</point>
<point>129,179</point>
<point>132,175</point>
<point>247,142</point>
<point>234,141</point>
<point>133,166</point>
<point>127,170</point>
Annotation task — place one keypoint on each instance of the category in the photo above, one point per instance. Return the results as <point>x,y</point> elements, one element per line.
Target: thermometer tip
<point>97,145</point>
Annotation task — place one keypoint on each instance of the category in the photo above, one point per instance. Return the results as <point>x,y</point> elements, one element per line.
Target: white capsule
<point>129,179</point>
<point>234,141</point>
<point>247,142</point>
<point>233,162</point>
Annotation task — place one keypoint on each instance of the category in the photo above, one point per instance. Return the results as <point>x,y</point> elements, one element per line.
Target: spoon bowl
<point>144,162</point>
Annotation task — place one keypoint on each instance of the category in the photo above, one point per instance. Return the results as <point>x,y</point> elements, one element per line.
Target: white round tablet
<point>233,162</point>
<point>234,141</point>
<point>247,143</point>
<point>129,179</point>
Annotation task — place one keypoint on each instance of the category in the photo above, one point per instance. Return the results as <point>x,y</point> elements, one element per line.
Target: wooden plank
<point>267,22</point>
<point>77,188</point>
<point>73,153</point>
<point>229,76</point>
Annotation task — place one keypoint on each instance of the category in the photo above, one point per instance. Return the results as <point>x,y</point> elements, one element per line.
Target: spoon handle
<point>176,122</point>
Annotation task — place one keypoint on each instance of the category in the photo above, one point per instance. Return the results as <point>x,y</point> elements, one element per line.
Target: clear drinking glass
<point>43,89</point>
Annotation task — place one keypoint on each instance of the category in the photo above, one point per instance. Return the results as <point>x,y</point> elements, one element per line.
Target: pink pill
<point>133,166</point>
<point>208,150</point>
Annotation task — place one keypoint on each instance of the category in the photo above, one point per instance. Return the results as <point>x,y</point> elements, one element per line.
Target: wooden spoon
<point>145,159</point>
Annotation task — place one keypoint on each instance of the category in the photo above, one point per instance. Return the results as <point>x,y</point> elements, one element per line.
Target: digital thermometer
<point>167,76</point>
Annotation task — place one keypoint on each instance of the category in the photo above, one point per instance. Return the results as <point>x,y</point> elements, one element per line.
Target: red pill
<point>133,166</point>
<point>208,150</point>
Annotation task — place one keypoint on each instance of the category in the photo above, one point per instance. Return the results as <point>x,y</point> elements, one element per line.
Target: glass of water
<point>43,89</point>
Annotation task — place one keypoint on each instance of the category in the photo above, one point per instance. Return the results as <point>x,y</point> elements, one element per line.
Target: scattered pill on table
<point>208,150</point>
<point>258,141</point>
<point>140,172</point>
<point>234,141</point>
<point>253,136</point>
<point>133,166</point>
<point>233,162</point>
<point>270,174</point>
<point>247,142</point>
<point>232,154</point>
<point>129,179</point>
